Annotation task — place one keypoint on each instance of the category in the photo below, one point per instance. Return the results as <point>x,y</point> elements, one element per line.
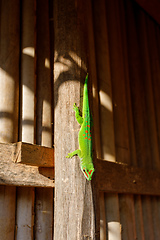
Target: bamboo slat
<point>25,200</point>
<point>9,96</point>
<point>44,197</point>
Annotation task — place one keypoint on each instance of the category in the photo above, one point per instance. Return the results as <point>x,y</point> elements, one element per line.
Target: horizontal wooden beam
<point>152,7</point>
<point>121,178</point>
<point>33,155</point>
<point>112,177</point>
<point>12,172</point>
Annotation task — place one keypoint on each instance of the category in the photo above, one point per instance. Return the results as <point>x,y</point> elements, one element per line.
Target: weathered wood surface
<point>9,102</point>
<point>74,203</point>
<point>121,178</point>
<point>25,213</point>
<point>106,127</point>
<point>12,173</point>
<point>31,154</point>
<point>44,213</point>
<point>27,110</point>
<point>44,196</point>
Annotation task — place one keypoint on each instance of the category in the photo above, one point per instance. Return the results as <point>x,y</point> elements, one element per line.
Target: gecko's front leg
<point>77,114</point>
<point>76,152</point>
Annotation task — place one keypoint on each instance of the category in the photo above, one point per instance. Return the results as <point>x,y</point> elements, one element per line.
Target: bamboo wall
<point>128,76</point>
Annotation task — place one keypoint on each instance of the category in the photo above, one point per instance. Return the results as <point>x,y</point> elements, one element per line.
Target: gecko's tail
<point>86,80</point>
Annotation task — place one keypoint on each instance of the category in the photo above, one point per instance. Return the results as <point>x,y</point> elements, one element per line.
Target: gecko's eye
<point>84,170</point>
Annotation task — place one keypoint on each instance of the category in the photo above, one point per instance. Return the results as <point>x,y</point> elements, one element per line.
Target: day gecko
<point>84,137</point>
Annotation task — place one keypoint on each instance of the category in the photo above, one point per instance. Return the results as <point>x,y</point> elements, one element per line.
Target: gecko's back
<point>85,137</point>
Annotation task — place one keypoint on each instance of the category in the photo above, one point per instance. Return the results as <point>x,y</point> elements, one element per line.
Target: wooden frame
<point>21,165</point>
<point>13,172</point>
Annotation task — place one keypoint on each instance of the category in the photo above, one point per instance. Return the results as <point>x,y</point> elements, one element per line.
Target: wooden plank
<point>106,126</point>
<point>74,201</point>
<point>44,213</point>
<point>44,197</point>
<point>9,102</point>
<point>139,217</point>
<point>121,178</point>
<point>137,94</point>
<point>148,204</point>
<point>32,154</point>
<point>24,214</point>
<point>12,173</point>
<point>7,211</point>
<point>25,204</point>
<point>105,106</point>
<point>103,230</point>
<point>114,229</point>
<point>22,175</point>
<point>127,216</point>
<point>117,49</point>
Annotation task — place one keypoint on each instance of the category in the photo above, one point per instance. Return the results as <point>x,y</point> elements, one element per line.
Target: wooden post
<point>44,196</point>
<point>74,216</point>
<point>9,96</point>
<point>25,197</point>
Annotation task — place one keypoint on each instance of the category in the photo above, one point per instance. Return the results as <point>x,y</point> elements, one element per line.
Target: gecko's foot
<point>69,155</point>
<point>75,108</point>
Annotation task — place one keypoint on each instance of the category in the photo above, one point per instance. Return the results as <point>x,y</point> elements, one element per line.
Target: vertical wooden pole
<point>25,197</point>
<point>74,207</point>
<point>43,196</point>
<point>9,102</point>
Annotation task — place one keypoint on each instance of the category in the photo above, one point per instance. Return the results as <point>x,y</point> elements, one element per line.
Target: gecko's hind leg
<point>76,152</point>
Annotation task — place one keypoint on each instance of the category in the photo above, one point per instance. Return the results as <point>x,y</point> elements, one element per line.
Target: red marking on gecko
<point>86,174</point>
<point>88,125</point>
<point>89,139</point>
<point>84,134</point>
<point>90,172</point>
<point>86,138</point>
<point>86,131</point>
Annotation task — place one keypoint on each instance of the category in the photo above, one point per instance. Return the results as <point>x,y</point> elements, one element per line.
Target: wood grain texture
<point>106,126</point>
<point>25,203</point>
<point>74,207</point>
<point>9,102</point>
<point>25,214</point>
<point>32,154</point>
<point>44,116</point>
<point>12,173</point>
<point>44,213</point>
<point>115,177</point>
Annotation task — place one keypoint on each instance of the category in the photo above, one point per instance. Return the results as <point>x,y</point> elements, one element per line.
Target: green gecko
<point>84,138</point>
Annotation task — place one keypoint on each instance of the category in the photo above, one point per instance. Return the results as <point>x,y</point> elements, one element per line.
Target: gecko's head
<point>88,170</point>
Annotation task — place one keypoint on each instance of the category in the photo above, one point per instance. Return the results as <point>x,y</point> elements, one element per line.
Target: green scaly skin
<point>84,138</point>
